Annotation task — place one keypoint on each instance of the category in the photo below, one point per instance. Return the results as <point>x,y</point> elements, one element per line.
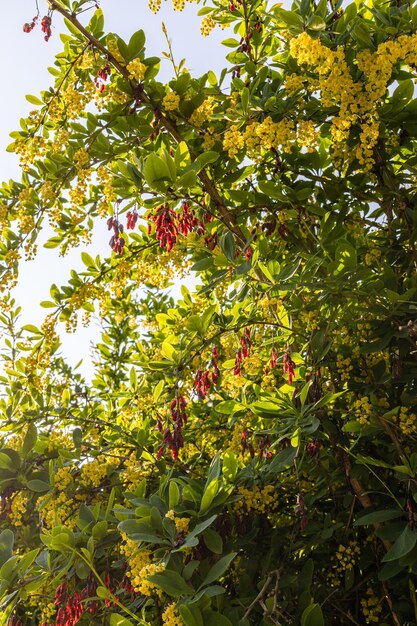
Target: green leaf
<point>218,569</point>
<point>191,615</point>
<point>30,439</point>
<point>174,494</point>
<point>312,616</point>
<point>171,583</point>
<point>213,541</point>
<point>39,486</point>
<point>378,516</point>
<point>209,494</point>
<point>213,618</point>
<point>34,100</point>
<point>119,620</point>
<point>6,545</point>
<point>156,171</point>
<point>402,546</point>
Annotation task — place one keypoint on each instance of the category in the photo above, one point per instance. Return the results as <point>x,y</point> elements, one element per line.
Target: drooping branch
<point>168,124</point>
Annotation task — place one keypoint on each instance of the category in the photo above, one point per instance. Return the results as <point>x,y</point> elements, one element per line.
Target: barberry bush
<point>245,453</point>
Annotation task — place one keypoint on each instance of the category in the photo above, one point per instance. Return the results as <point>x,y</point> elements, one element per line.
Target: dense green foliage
<point>244,455</point>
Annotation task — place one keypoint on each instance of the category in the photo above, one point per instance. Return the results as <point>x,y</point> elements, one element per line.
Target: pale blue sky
<point>24,61</point>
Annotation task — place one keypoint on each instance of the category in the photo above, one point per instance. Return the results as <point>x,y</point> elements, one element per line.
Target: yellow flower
<point>171,101</point>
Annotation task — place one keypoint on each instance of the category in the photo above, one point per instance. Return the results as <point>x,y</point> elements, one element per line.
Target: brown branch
<point>389,602</point>
<point>276,573</point>
<point>362,496</point>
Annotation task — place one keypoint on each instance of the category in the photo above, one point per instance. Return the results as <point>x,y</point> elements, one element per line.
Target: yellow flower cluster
<point>94,472</point>
<point>357,101</point>
<point>371,607</point>
<point>28,150</point>
<point>154,5</point>
<point>140,566</point>
<point>262,500</point>
<point>63,477</point>
<point>18,508</point>
<point>293,83</point>
<point>169,618</point>
<point>81,159</point>
<point>181,523</point>
<point>136,69</point>
<point>307,135</point>
<point>207,25</point>
<point>344,367</point>
<point>171,101</point>
<point>407,421</point>
<point>308,320</point>
<point>48,329</point>
<point>57,510</point>
<point>233,141</point>
<point>74,102</point>
<point>347,556</point>
<point>105,180</point>
<point>363,410</point>
<point>372,256</point>
<point>202,113</point>
<point>111,42</point>
<point>47,194</point>
<point>269,134</point>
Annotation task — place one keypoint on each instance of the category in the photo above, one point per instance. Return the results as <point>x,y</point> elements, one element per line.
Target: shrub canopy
<point>244,454</point>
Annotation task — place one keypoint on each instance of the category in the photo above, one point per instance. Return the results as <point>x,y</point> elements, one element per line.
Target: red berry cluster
<point>243,352</point>
<point>248,253</point>
<point>274,358</point>
<point>173,440</point>
<point>202,382</point>
<point>211,241</point>
<point>13,621</point>
<point>264,451</point>
<point>102,76</point>
<point>246,445</point>
<point>166,229</point>
<point>131,219</point>
<point>245,43</point>
<point>264,445</point>
<point>71,609</point>
<point>107,582</point>
<point>313,449</point>
<point>28,27</point>
<point>234,4</point>
<point>46,27</point>
<point>169,223</point>
<point>116,242</point>
<point>288,367</point>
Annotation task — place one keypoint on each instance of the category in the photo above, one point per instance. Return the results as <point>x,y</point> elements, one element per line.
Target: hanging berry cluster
<point>313,449</point>
<point>174,440</point>
<point>46,24</point>
<point>101,78</point>
<point>246,444</point>
<point>274,358</point>
<point>202,382</point>
<point>243,352</point>
<point>116,242</point>
<point>264,445</point>
<point>169,223</point>
<point>29,26</point>
<point>288,366</point>
<point>131,219</point>
<point>70,606</point>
